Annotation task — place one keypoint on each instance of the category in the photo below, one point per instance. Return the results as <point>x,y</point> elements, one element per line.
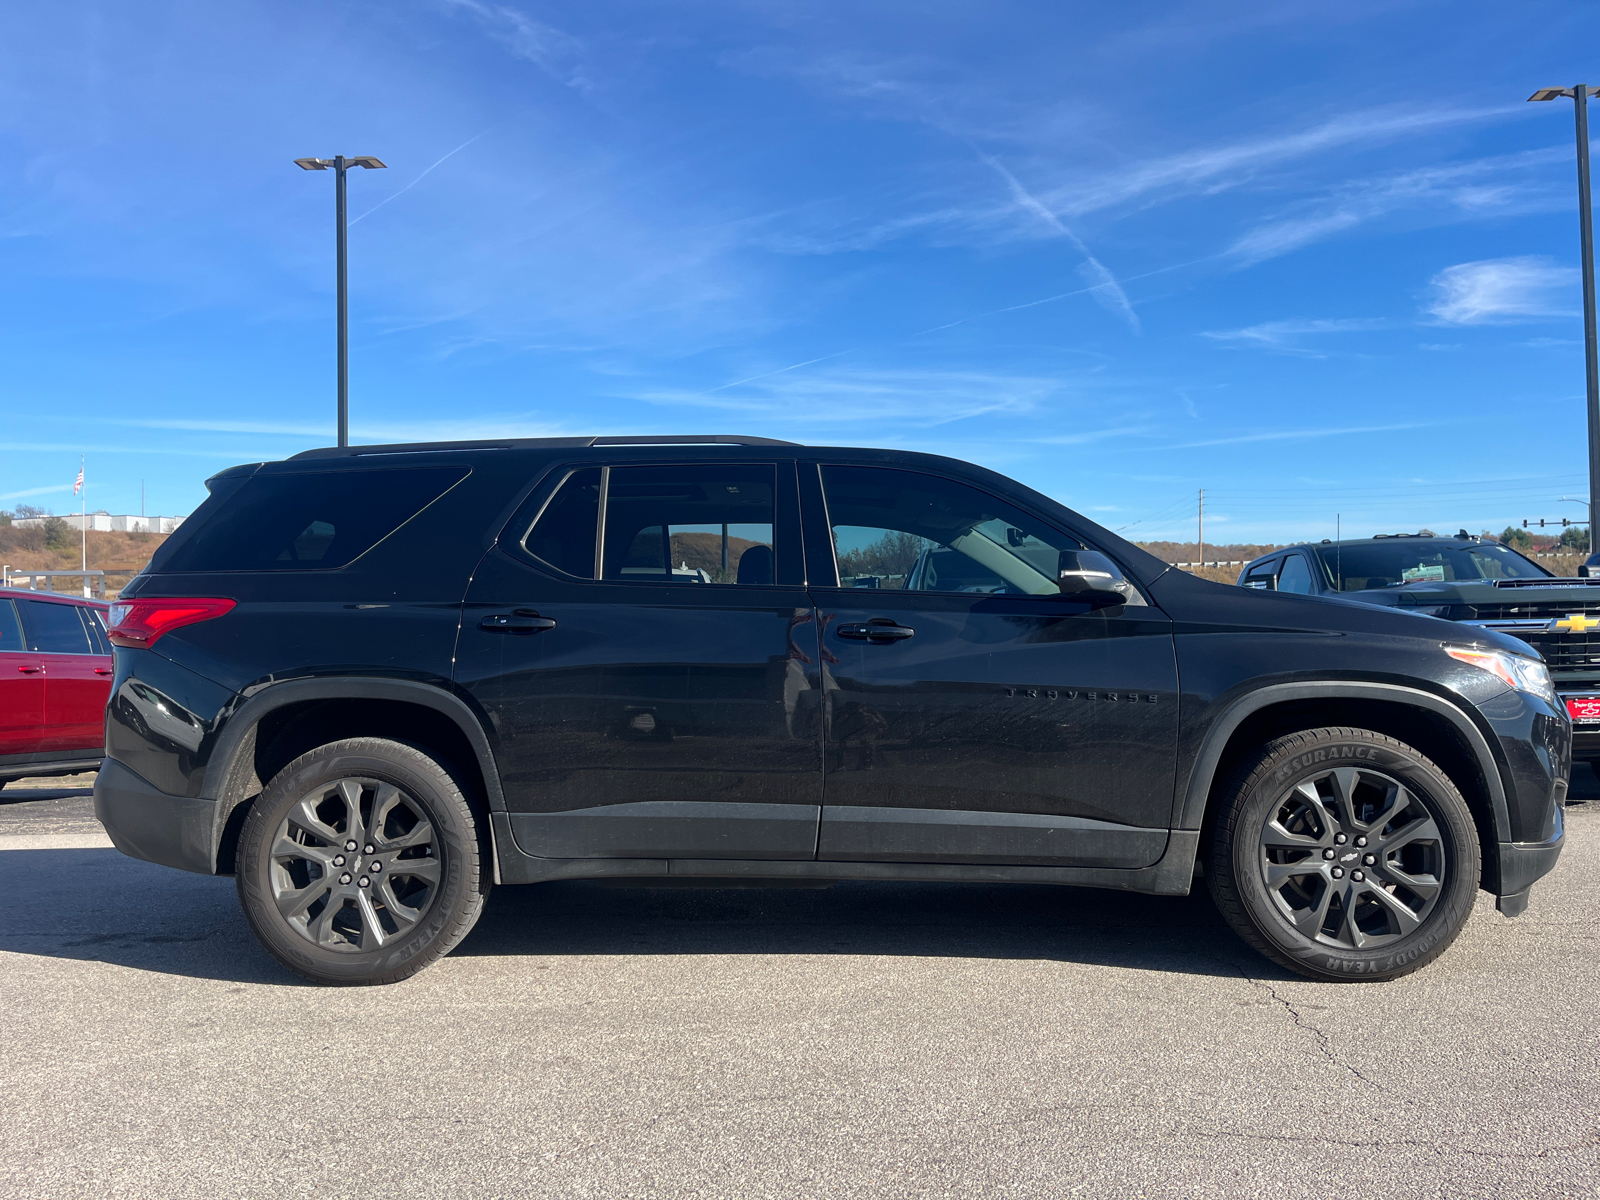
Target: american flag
<point>78,486</point>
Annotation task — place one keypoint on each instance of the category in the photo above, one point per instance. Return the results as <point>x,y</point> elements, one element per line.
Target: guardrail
<point>94,582</point>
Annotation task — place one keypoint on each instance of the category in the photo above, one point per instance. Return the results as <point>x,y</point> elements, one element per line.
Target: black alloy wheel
<point>359,863</point>
<point>354,865</point>
<point>1352,858</point>
<point>1344,854</point>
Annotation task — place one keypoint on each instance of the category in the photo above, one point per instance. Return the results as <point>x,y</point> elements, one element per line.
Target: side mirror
<point>1090,576</point>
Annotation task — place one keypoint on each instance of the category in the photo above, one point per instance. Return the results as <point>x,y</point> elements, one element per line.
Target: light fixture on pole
<point>339,164</point>
<point>1580,93</point>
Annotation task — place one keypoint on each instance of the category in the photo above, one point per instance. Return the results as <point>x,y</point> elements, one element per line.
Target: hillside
<point>120,555</point>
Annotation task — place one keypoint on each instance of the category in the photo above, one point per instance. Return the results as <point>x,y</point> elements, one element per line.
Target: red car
<point>55,678</point>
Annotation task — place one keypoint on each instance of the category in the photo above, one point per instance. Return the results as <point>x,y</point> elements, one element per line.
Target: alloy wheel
<point>1353,858</point>
<point>354,865</point>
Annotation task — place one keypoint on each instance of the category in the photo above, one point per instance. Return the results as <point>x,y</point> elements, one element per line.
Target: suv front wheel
<point>359,863</point>
<point>1344,854</point>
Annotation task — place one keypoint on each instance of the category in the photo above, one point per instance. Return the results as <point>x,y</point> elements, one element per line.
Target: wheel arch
<point>284,720</point>
<point>1429,723</point>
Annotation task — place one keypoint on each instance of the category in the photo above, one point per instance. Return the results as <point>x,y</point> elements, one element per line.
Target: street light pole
<point>1580,94</point>
<point>339,164</point>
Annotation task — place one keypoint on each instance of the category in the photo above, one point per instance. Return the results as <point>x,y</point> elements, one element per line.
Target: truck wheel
<point>1344,854</point>
<point>360,863</point>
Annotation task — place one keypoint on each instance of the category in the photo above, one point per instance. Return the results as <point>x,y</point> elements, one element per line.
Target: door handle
<point>878,630</point>
<point>523,620</point>
<point>104,671</point>
<point>31,670</point>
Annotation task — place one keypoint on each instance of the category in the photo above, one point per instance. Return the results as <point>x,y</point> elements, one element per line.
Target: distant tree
<point>1517,539</point>
<point>58,534</point>
<point>892,554</point>
<point>1576,538</point>
<point>29,510</point>
<point>5,517</point>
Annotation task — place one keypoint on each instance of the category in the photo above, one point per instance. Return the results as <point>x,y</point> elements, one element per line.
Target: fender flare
<point>1202,776</point>
<point>231,767</point>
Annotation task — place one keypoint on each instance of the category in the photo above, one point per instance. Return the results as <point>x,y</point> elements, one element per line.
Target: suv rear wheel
<point>359,863</point>
<point>1344,854</point>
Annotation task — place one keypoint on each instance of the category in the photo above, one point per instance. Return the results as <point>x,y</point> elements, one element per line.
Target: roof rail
<point>554,443</point>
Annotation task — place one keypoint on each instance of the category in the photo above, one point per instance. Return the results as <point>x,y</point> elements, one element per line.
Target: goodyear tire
<point>360,863</point>
<point>1344,854</point>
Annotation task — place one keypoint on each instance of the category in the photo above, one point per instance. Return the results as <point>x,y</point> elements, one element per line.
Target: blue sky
<point>1313,258</point>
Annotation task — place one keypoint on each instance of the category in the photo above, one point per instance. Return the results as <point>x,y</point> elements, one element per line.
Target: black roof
<point>559,443</point>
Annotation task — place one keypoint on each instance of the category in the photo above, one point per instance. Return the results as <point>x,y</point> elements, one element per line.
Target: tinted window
<point>312,521</point>
<point>54,628</point>
<point>905,530</point>
<point>689,524</point>
<point>10,631</point>
<point>1295,576</point>
<point>95,625</point>
<point>1393,562</point>
<point>563,534</point>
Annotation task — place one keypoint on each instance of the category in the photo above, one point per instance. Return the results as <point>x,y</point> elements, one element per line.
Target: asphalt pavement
<point>861,1041</point>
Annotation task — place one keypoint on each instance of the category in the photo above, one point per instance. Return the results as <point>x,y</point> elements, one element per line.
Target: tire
<point>1388,848</point>
<point>410,889</point>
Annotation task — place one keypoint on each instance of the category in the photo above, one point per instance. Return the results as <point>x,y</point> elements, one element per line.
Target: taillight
<point>138,623</point>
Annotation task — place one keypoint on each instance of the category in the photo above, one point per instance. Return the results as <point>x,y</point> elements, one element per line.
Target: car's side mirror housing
<point>1090,576</point>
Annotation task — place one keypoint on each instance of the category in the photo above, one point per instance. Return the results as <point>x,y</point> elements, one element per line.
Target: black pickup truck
<point>1466,579</point>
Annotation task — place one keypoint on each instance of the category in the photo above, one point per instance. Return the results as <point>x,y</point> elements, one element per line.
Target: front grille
<point>1572,651</point>
<point>1527,610</point>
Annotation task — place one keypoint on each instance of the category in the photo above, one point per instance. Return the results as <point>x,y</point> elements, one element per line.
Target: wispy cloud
<point>464,429</point>
<point>1502,290</point>
<point>917,398</point>
<point>1288,336</point>
<point>1287,435</point>
<point>1492,186</point>
<point>38,491</point>
<point>555,53</point>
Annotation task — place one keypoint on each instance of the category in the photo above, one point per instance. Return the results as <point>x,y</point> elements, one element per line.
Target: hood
<point>1484,591</point>
<point>1188,599</point>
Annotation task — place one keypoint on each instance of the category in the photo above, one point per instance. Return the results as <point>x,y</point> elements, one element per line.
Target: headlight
<point>1524,674</point>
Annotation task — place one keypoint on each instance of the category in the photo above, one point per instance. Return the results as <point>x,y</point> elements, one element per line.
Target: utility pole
<point>1200,532</point>
<point>339,164</point>
<point>1580,93</point>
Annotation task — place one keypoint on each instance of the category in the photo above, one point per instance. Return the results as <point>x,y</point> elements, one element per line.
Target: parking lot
<point>865,1040</point>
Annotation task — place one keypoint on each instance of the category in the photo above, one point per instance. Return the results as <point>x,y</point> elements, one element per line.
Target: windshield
<point>1394,563</point>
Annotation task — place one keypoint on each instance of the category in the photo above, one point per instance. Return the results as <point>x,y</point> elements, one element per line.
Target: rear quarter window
<point>309,521</point>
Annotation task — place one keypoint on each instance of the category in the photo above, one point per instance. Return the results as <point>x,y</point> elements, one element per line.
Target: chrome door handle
<point>523,620</point>
<point>877,630</point>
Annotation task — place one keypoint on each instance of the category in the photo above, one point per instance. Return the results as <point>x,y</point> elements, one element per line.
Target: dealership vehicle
<point>1466,579</point>
<point>393,676</point>
<point>55,675</point>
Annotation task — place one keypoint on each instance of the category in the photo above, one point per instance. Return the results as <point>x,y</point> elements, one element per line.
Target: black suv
<point>390,676</point>
<point>1466,579</point>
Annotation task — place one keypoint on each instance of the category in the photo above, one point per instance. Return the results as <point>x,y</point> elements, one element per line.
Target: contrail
<point>1105,287</point>
<point>418,179</point>
<point>780,370</point>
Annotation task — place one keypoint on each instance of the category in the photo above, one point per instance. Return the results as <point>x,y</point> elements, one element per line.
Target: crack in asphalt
<point>1324,1041</point>
<point>1592,1139</point>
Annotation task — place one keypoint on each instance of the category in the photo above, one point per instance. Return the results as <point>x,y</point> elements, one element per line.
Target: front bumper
<point>144,822</point>
<point>1522,864</point>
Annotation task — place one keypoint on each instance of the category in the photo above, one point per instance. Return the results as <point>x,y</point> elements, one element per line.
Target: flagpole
<point>83,524</point>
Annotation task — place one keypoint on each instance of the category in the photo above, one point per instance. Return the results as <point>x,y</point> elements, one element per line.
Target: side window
<point>94,625</point>
<point>1295,576</point>
<point>10,630</point>
<point>1263,576</point>
<point>905,530</point>
<point>564,534</point>
<point>54,628</point>
<point>689,524</point>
